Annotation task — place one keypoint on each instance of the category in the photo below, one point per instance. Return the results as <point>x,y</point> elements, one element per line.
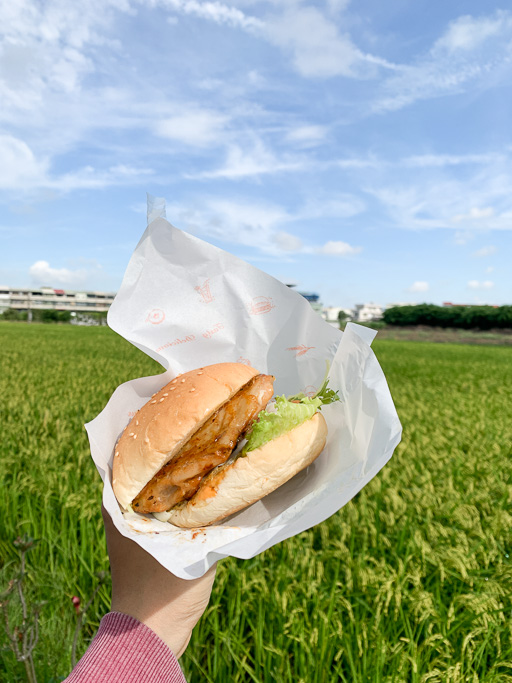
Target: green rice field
<point>410,582</point>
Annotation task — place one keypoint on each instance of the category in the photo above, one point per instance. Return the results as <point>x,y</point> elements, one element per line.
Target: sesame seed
<point>166,394</point>
<point>117,453</point>
<point>172,388</point>
<point>134,436</point>
<point>199,373</point>
<point>130,434</point>
<point>183,380</point>
<point>114,481</point>
<point>146,440</point>
<point>136,422</point>
<point>162,399</point>
<point>153,395</point>
<point>153,401</point>
<point>192,389</point>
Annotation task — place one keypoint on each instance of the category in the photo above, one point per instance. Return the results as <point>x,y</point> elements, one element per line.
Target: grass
<point>410,582</point>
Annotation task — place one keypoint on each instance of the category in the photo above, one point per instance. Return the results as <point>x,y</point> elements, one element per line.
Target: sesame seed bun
<point>163,425</point>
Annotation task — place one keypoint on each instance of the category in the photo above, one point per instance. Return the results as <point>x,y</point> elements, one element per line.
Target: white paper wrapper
<point>187,303</point>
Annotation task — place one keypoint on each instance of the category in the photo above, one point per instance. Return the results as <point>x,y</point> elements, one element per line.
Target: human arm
<point>153,614</point>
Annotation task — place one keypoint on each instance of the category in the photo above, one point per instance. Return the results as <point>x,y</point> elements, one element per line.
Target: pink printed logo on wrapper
<point>216,328</point>
<point>205,292</point>
<point>243,361</point>
<point>260,305</point>
<point>310,391</point>
<point>300,350</point>
<point>176,342</point>
<point>156,316</point>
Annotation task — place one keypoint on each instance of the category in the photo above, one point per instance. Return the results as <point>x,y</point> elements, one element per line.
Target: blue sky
<point>362,150</point>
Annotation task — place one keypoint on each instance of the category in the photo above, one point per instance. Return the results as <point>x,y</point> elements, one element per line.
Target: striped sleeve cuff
<point>126,651</point>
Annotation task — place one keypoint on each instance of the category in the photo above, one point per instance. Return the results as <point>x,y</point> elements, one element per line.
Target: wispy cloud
<point>255,160</point>
<point>477,201</point>
<point>336,248</point>
<point>474,214</point>
<point>198,128</point>
<point>485,251</point>
<point>19,167</point>
<point>467,33</point>
<point>265,227</point>
<point>419,286</point>
<point>316,46</point>
<point>442,160</point>
<point>476,284</point>
<point>22,171</point>
<point>217,12</point>
<point>467,53</point>
<point>307,136</point>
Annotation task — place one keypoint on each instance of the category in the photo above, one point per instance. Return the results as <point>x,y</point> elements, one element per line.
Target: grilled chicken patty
<point>210,446</point>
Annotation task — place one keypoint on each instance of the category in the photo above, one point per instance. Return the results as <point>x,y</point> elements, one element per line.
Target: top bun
<point>165,423</point>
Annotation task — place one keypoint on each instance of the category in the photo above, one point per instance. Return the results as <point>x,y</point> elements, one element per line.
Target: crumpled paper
<point>186,304</point>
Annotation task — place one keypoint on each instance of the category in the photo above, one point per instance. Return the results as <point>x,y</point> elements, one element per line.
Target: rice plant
<point>410,582</point>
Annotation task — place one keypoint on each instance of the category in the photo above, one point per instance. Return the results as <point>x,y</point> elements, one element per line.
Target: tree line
<point>465,317</point>
<point>50,315</point>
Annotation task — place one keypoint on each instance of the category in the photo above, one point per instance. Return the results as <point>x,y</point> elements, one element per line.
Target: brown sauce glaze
<point>210,446</point>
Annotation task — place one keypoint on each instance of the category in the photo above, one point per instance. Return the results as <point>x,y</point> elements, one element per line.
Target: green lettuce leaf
<point>286,416</point>
<point>288,413</point>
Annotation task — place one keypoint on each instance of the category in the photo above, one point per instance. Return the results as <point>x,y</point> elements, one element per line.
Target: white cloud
<point>489,269</point>
<point>256,225</point>
<point>89,177</point>
<point>474,214</point>
<point>468,52</point>
<point>475,284</point>
<point>194,127</point>
<point>463,237</point>
<point>216,12</point>
<point>287,242</point>
<point>340,206</point>
<point>248,223</point>
<point>467,32</point>
<point>255,161</point>
<point>43,47</point>
<point>419,286</point>
<point>441,160</point>
<point>21,171</point>
<point>337,248</point>
<point>315,45</point>
<point>485,251</point>
<point>19,167</point>
<point>43,274</point>
<point>434,200</point>
<point>307,136</point>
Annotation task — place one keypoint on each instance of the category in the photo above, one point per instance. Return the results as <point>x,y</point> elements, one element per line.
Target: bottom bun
<point>241,483</point>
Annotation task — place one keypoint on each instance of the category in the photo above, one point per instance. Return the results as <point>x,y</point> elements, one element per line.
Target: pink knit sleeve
<point>126,651</point>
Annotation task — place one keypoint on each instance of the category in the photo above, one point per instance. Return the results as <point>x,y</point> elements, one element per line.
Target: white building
<point>331,314</point>
<point>364,313</point>
<point>48,298</point>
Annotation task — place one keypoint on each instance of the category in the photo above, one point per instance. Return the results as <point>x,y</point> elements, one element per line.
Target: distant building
<point>48,298</point>
<point>449,303</point>
<point>312,297</point>
<point>331,314</point>
<point>314,300</point>
<point>398,305</point>
<point>368,312</point>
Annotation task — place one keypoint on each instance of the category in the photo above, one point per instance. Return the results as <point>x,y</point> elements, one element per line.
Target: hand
<point>142,588</point>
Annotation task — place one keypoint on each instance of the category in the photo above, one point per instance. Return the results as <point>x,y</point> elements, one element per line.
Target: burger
<point>211,442</point>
